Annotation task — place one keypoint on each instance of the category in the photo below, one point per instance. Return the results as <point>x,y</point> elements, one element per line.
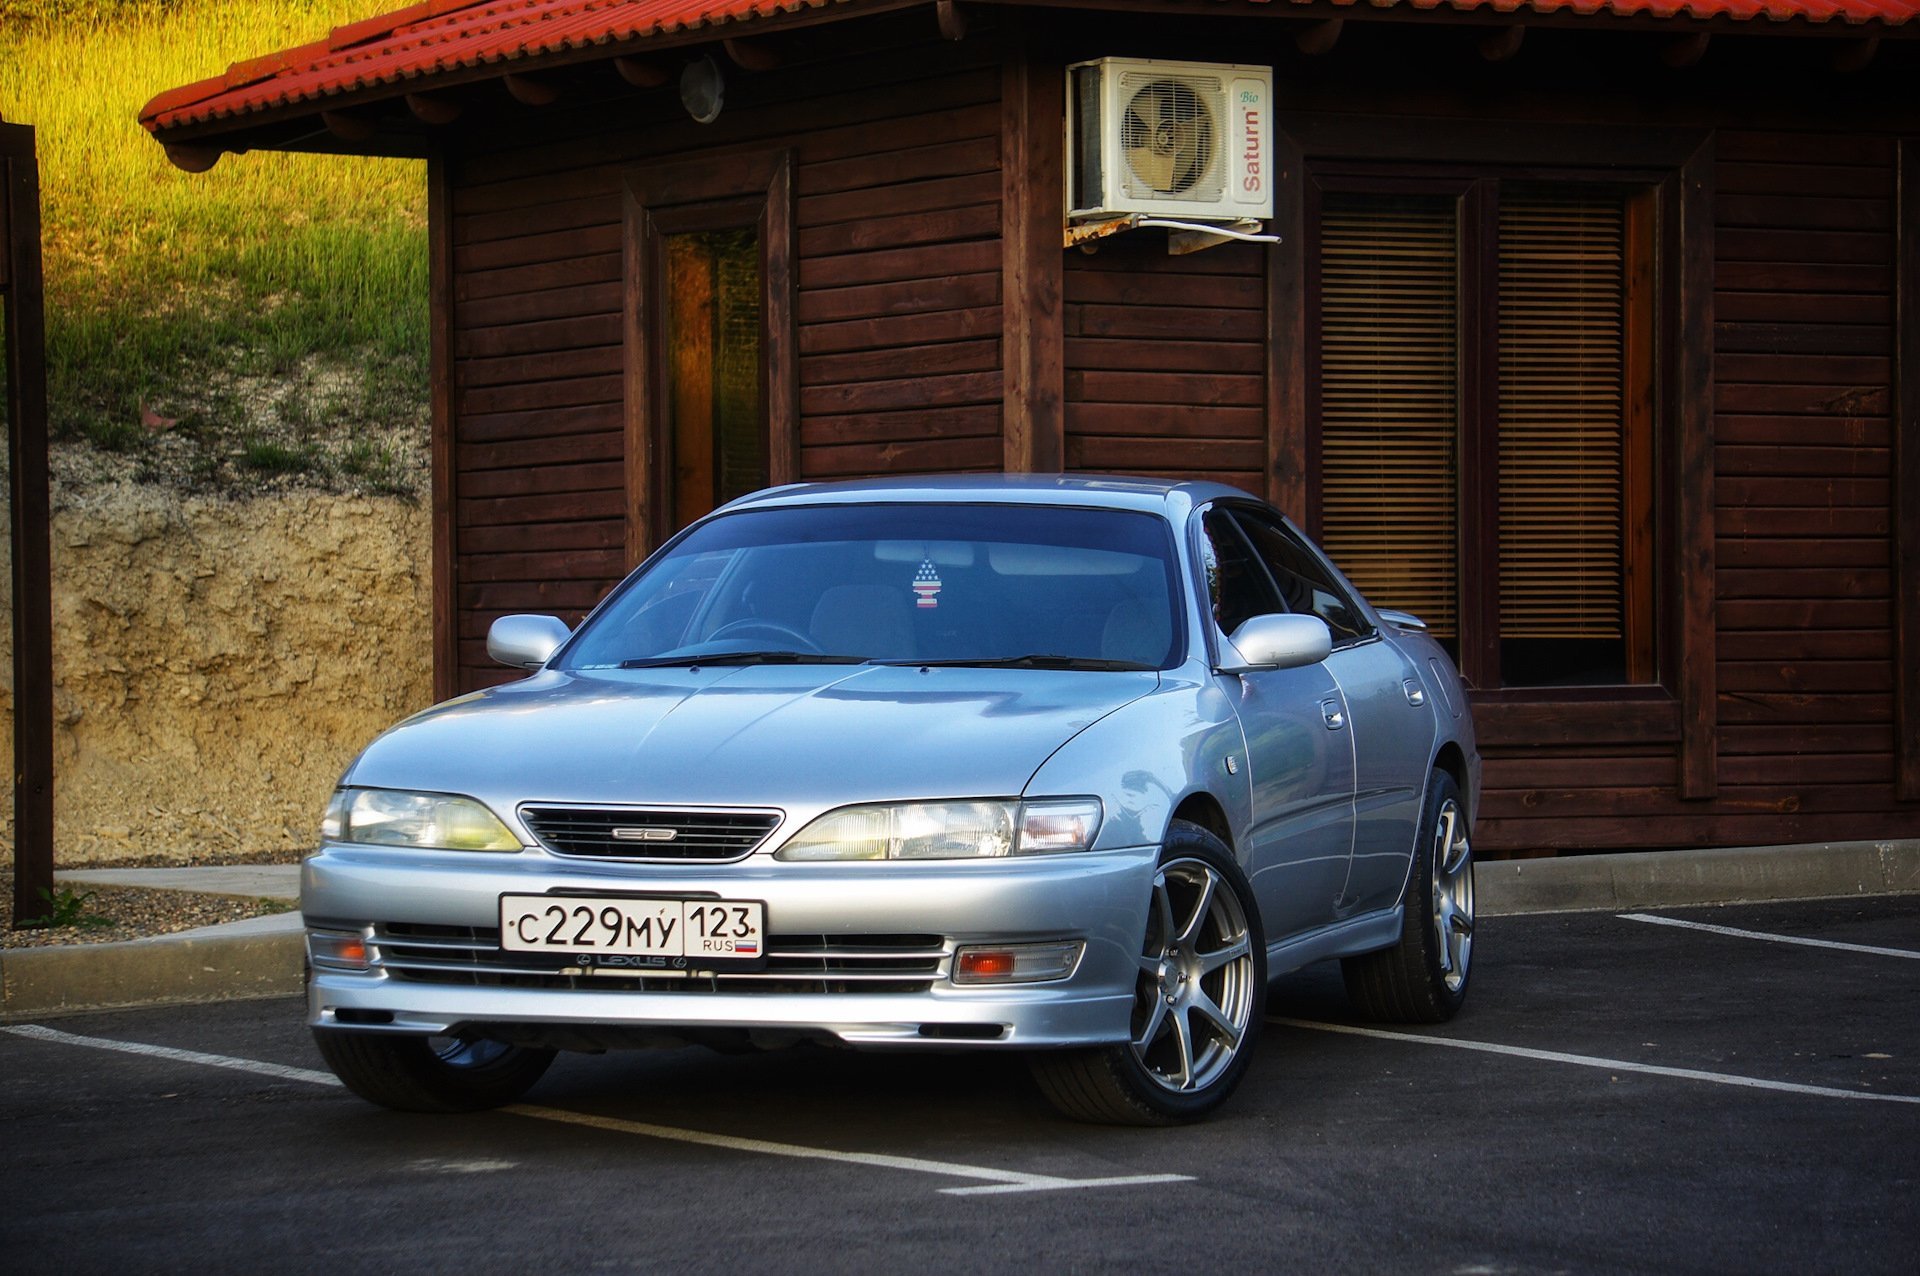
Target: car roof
<point>1156,496</point>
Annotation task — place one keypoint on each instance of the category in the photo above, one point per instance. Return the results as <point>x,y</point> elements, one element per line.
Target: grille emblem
<point>645,834</point>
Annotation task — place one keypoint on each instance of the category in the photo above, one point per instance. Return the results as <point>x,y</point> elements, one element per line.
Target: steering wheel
<point>753,625</point>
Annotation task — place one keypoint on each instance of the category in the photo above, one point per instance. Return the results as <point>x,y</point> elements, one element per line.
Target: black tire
<point>430,1074</point>
<point>1163,1077</point>
<point>1423,978</point>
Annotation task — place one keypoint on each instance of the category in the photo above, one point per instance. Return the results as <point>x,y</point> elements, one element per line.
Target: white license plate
<point>700,931</point>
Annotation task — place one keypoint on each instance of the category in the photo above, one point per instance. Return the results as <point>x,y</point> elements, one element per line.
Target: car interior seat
<point>875,621</point>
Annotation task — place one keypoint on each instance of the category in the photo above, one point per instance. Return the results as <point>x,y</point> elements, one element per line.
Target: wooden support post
<point>1501,43</point>
<point>1906,476</point>
<point>1318,40</point>
<point>349,128</point>
<point>641,73</point>
<point>1033,265</point>
<point>192,159</point>
<point>531,90</point>
<point>1684,51</point>
<point>1698,675</point>
<point>433,108</point>
<point>751,55</point>
<point>952,19</point>
<point>1854,55</point>
<point>446,594</point>
<point>1286,476</point>
<point>32,583</point>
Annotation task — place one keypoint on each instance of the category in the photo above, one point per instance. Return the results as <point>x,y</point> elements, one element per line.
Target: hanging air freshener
<point>926,583</point>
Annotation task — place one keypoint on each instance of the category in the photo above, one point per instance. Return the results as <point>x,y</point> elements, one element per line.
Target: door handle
<point>1336,717</point>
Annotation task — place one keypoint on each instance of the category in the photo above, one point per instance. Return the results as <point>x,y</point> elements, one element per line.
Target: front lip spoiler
<point>1036,1016</point>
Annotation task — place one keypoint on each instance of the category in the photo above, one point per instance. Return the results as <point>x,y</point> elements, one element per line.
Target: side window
<point>1304,583</point>
<point>1237,587</point>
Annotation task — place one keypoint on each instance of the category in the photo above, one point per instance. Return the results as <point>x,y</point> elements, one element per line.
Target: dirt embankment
<point>217,662</point>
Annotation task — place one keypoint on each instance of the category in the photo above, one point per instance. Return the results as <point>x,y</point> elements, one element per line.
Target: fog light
<point>338,952</point>
<point>1016,963</point>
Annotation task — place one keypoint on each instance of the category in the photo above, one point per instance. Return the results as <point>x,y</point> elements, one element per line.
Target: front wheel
<point>430,1074</point>
<point>1198,999</point>
<point>1423,978</point>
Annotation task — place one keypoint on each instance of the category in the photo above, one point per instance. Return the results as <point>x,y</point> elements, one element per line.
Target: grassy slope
<point>275,306</point>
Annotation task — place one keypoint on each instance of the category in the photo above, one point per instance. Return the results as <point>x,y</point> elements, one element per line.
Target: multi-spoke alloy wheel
<point>1423,978</point>
<point>1198,997</point>
<point>1453,894</point>
<point>430,1074</point>
<point>1196,979</point>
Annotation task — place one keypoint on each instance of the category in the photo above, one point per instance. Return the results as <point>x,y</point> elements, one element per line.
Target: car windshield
<point>1016,585</point>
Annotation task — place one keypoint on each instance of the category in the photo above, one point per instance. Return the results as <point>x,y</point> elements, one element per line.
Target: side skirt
<point>1349,938</point>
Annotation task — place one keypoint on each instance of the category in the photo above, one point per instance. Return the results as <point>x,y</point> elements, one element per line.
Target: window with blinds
<point>1562,415</point>
<point>1498,509</point>
<point>1389,402</point>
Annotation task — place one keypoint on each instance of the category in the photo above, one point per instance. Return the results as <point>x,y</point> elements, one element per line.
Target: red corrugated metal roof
<point>447,35</point>
<point>437,36</point>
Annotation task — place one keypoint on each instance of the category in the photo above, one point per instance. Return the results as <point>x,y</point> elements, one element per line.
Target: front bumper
<point>386,896</point>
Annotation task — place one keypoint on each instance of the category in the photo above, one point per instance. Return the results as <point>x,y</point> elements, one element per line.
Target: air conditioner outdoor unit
<point>1188,140</point>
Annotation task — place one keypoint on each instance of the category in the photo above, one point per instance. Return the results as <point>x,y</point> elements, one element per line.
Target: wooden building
<point>1592,336</point>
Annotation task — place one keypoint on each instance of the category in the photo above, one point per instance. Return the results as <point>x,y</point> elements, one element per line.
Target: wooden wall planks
<point>1804,362</point>
<point>1166,361</point>
<point>897,297</point>
<point>1167,366</point>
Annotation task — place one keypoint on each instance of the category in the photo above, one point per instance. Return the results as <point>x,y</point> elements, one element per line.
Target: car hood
<point>805,736</point>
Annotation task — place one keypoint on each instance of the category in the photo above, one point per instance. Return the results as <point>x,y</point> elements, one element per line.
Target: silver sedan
<point>1068,766</point>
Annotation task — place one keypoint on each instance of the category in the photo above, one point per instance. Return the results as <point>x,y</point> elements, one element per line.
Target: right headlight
<point>394,817</point>
<point>947,830</point>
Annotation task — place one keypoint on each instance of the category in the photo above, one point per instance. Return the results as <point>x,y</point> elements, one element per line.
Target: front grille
<point>471,956</point>
<point>649,833</point>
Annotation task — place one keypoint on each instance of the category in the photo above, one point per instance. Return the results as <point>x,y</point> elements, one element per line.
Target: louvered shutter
<point>1389,399</point>
<point>1561,413</point>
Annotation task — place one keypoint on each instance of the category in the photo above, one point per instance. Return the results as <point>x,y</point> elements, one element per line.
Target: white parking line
<point>1777,939</point>
<point>995,1181</point>
<point>1000,1180</point>
<point>1593,1061</point>
<point>278,1070</point>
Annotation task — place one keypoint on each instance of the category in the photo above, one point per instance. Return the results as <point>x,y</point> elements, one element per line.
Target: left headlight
<point>391,817</point>
<point>947,830</point>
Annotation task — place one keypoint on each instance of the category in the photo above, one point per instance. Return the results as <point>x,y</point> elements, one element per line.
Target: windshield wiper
<point>742,658</point>
<point>1036,660</point>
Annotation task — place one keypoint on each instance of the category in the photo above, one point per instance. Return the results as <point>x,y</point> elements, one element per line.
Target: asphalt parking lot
<point>1620,1095</point>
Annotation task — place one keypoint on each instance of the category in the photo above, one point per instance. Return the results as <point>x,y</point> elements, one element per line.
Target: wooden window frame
<point>1676,164</point>
<point>1646,500</point>
<point>723,190</point>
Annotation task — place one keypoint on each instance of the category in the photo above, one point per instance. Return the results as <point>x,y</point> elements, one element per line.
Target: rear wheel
<point>1423,978</point>
<point>1199,996</point>
<point>430,1074</point>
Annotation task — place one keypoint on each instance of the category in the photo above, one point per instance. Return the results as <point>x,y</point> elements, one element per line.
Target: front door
<point>1299,751</point>
<point>1391,730</point>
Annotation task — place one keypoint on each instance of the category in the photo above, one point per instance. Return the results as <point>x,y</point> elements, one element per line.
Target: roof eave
<point>170,117</point>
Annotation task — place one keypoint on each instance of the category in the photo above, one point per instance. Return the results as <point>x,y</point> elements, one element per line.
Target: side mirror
<point>526,642</point>
<point>1277,642</point>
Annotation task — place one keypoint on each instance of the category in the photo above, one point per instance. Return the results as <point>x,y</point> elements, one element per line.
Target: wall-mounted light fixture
<point>703,90</point>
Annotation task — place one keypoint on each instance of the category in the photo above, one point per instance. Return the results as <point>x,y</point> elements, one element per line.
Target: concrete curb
<point>1672,879</point>
<point>264,956</point>
<point>203,965</point>
<point>262,881</point>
